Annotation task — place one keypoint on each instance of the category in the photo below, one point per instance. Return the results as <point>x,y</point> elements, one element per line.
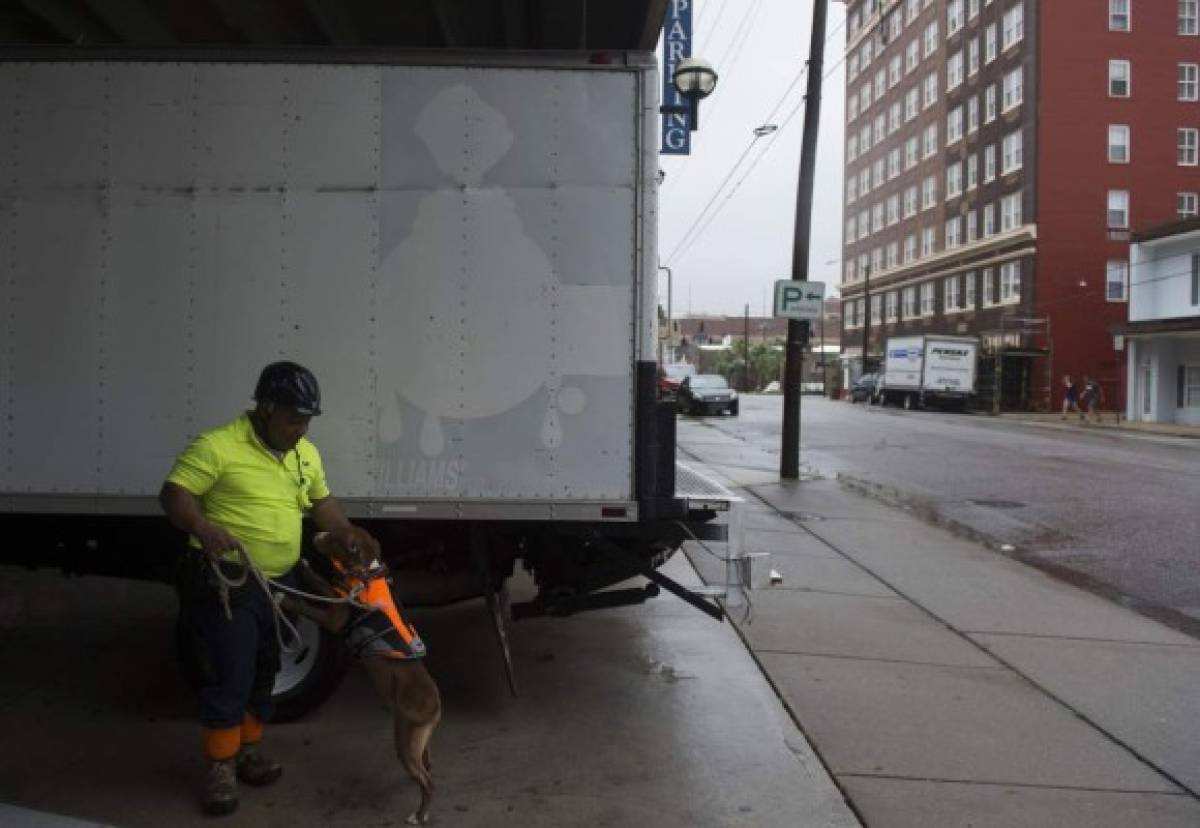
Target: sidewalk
<point>945,685</point>
<point>1108,422</point>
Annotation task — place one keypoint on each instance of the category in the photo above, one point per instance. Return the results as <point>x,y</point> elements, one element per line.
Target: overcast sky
<point>757,48</point>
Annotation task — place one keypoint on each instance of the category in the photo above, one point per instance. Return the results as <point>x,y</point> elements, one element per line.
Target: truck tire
<point>305,680</point>
<point>308,677</point>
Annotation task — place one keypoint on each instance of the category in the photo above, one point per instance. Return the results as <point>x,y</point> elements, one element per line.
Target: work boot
<point>219,796</point>
<point>255,769</point>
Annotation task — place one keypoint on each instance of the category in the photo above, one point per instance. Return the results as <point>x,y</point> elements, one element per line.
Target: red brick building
<point>1000,197</point>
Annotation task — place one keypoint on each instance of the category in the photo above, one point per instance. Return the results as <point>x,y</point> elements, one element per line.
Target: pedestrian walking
<point>1091,398</point>
<point>1070,397</point>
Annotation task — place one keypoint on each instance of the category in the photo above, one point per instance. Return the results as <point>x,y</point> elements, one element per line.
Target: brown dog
<point>402,680</point>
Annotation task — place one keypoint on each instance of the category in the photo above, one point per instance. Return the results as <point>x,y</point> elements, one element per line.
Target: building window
<point>954,126</point>
<point>895,113</point>
<point>1185,204</point>
<point>953,180</point>
<point>877,218</point>
<point>912,56</point>
<point>1014,89</point>
<point>927,299</point>
<point>893,210</point>
<point>910,152</point>
<point>1010,212</point>
<point>1010,283</point>
<point>895,70</point>
<point>989,287</point>
<point>954,71</point>
<point>1118,15</point>
<point>910,309</point>
<point>989,43</point>
<point>1116,280</point>
<point>893,254</point>
<point>972,9</point>
<point>1185,141</point>
<point>931,85</point>
<point>953,227</point>
<point>928,241</point>
<point>972,231</point>
<point>912,104</point>
<point>1118,209</point>
<point>849,273</point>
<point>1011,152</point>
<point>910,248</point>
<point>851,229</point>
<point>929,141</point>
<point>851,189</point>
<point>931,38</point>
<point>851,148</point>
<point>1118,79</point>
<point>880,128</point>
<point>864,97</point>
<point>912,9</point>
<point>954,17</point>
<point>864,139</point>
<point>878,173</point>
<point>989,107</point>
<point>969,291</point>
<point>972,114</point>
<point>864,181</point>
<point>1014,25</point>
<point>889,304</point>
<point>989,163</point>
<point>1187,88</point>
<point>895,25</point>
<point>1190,374</point>
<point>910,202</point>
<point>1118,144</point>
<point>1187,17</point>
<point>989,220</point>
<point>877,260</point>
<point>928,193</point>
<point>973,57</point>
<point>893,163</point>
<point>852,68</point>
<point>972,172</point>
<point>880,83</point>
<point>951,294</point>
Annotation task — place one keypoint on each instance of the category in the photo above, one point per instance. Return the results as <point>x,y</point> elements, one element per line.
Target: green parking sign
<point>799,300</point>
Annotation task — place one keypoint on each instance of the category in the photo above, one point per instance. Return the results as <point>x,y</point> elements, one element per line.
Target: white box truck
<point>461,248</point>
<point>929,370</point>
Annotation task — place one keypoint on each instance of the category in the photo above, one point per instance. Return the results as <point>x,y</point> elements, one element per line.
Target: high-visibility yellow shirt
<point>258,496</point>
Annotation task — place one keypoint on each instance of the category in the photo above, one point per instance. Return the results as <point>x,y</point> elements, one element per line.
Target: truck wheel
<point>308,677</point>
<point>305,680</point>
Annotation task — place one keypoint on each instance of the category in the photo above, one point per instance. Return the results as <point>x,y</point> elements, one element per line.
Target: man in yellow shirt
<point>244,487</point>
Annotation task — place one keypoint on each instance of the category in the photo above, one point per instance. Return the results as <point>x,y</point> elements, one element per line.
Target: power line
<point>689,235</point>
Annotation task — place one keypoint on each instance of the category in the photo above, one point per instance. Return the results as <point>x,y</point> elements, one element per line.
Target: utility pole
<point>797,336</point>
<point>746,355</point>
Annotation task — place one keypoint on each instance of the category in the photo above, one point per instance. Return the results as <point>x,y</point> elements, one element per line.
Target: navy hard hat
<point>287,383</point>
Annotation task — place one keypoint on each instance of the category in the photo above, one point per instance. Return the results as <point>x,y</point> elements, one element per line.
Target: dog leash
<point>275,593</point>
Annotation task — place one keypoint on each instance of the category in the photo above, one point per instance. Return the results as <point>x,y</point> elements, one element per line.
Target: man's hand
<point>351,545</point>
<point>216,540</point>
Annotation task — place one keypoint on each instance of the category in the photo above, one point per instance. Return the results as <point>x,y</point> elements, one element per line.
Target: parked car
<point>669,377</point>
<point>707,394</point>
<point>863,389</point>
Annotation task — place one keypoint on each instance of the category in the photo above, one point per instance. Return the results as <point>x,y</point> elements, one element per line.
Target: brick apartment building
<point>998,155</point>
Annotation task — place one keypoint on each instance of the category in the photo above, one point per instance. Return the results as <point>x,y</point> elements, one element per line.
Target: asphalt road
<point>1116,512</point>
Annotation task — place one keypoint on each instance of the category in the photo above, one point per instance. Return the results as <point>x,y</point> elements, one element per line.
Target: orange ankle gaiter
<point>222,743</point>
<point>252,730</point>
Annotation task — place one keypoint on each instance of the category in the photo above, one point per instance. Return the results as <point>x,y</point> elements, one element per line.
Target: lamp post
<point>866,315</point>
<point>695,80</point>
<point>670,330</point>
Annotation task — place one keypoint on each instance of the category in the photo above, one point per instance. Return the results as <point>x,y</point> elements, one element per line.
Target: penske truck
<point>461,247</point>
<point>929,370</point>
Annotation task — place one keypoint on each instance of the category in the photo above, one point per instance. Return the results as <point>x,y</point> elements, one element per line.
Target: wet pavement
<point>650,715</point>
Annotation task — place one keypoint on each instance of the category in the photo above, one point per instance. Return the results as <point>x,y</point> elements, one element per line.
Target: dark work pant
<point>234,660</point>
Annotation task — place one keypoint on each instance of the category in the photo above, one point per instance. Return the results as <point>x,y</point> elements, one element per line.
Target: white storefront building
<point>1162,338</point>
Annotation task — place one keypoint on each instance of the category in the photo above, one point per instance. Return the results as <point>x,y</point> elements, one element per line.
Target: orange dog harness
<point>381,630</point>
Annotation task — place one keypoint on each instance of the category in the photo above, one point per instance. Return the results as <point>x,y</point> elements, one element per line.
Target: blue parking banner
<point>677,45</point>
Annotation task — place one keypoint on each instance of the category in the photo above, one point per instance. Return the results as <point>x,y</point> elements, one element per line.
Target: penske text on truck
<point>463,251</point>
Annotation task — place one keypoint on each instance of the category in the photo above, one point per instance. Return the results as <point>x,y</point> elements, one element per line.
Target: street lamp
<point>694,79</point>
